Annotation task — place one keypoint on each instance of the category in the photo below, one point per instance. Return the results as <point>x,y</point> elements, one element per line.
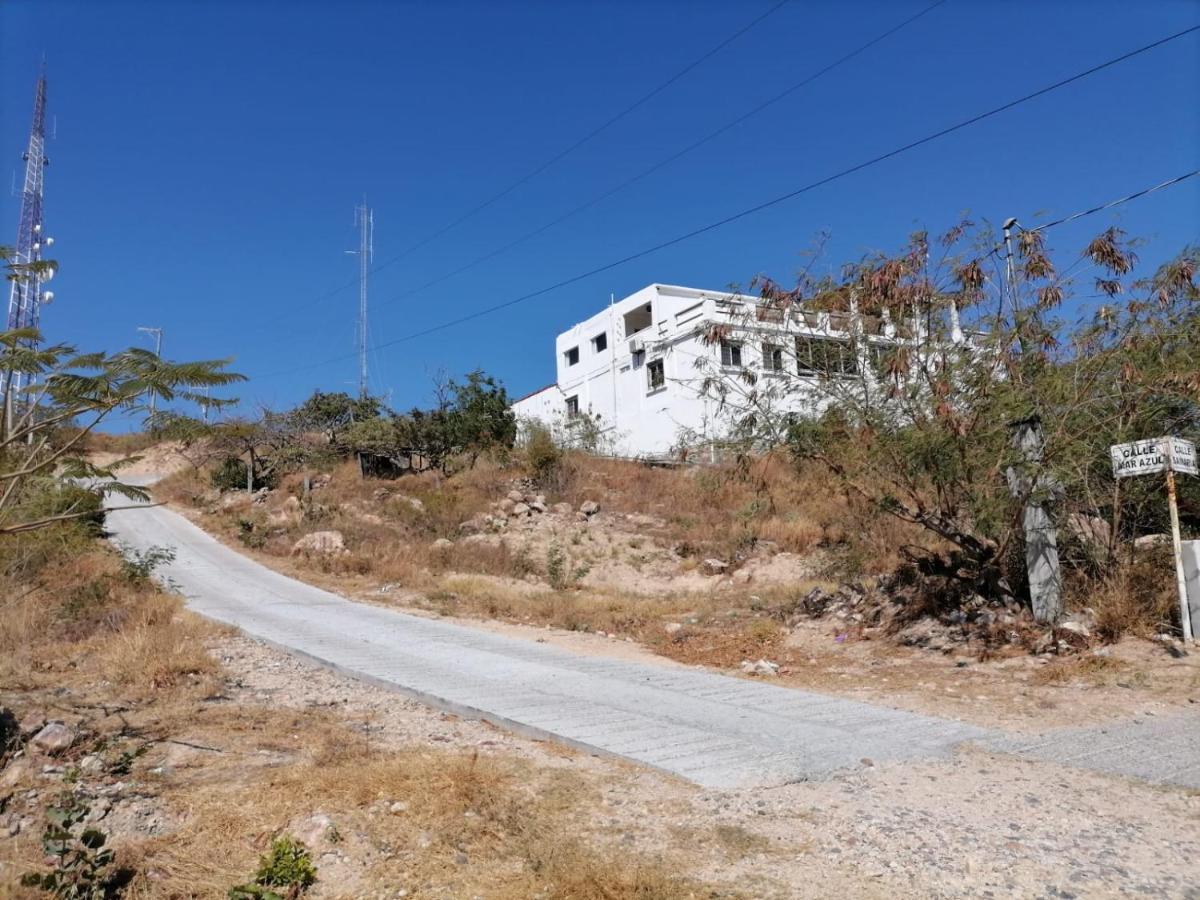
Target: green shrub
<point>46,497</point>
<point>288,865</point>
<point>138,565</point>
<point>542,454</point>
<point>229,475</point>
<point>81,865</point>
<point>249,534</point>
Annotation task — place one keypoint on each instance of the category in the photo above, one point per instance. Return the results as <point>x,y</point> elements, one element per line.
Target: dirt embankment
<point>484,547</point>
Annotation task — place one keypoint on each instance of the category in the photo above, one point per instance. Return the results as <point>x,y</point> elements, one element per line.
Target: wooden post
<point>1185,614</point>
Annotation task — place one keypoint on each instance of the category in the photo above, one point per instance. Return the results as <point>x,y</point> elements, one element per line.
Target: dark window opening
<point>656,375</point>
<point>572,356</point>
<point>772,357</point>
<point>638,319</point>
<point>825,356</point>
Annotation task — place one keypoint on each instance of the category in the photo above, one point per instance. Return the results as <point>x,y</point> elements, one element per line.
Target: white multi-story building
<point>638,368</point>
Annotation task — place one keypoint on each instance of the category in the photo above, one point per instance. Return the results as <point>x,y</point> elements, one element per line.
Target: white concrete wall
<point>613,382</point>
<point>540,406</point>
<point>1191,577</point>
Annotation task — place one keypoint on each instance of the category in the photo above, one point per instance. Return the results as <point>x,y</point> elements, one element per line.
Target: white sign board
<point>1154,455</point>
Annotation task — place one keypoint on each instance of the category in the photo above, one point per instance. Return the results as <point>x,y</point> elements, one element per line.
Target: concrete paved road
<point>1165,749</point>
<point>711,729</point>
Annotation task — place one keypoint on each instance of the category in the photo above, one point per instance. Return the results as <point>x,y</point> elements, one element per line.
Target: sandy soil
<point>980,824</point>
<point>154,462</point>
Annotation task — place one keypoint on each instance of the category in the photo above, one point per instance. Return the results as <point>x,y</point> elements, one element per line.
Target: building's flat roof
<point>547,387</point>
<point>677,290</point>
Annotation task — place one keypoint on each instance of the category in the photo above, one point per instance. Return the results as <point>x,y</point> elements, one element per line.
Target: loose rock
<point>322,542</point>
<point>54,738</point>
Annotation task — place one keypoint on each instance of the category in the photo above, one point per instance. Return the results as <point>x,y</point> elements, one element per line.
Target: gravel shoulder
<point>977,824</point>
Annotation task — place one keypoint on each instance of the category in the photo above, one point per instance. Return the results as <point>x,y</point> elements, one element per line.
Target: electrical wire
<point>525,179</point>
<point>713,135</point>
<point>1111,203</point>
<point>712,226</point>
<point>595,132</point>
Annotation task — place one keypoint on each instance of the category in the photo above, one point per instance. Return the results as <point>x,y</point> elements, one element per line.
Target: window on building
<point>886,360</point>
<point>637,319</point>
<point>825,356</point>
<point>600,342</point>
<point>656,375</point>
<point>638,358</point>
<point>731,354</point>
<point>573,407</point>
<point>772,357</point>
<point>571,356</point>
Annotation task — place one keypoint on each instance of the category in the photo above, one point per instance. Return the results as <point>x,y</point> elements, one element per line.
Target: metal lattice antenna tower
<point>25,294</point>
<point>366,249</point>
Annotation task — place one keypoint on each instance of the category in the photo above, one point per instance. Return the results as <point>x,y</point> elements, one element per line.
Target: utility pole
<point>158,336</point>
<point>365,220</point>
<point>1027,480</point>
<point>1036,489</point>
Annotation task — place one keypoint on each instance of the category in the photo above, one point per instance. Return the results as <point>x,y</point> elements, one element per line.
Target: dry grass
<point>1138,598</point>
<point>84,639</point>
<point>738,842</point>
<point>468,825</point>
<point>722,512</point>
<point>724,644</point>
<point>1095,670</point>
<point>83,619</point>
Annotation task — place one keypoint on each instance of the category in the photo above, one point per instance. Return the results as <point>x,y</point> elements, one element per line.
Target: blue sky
<point>209,156</point>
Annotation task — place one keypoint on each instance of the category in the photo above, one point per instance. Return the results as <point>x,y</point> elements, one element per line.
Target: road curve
<point>711,729</point>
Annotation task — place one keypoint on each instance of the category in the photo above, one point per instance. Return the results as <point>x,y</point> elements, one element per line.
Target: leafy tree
<point>468,419</point>
<point>907,376</point>
<point>480,416</point>
<point>70,395</point>
<point>333,413</point>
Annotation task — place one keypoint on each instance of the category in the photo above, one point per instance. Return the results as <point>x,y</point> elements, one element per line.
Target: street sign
<point>1170,455</point>
<point>1154,455</point>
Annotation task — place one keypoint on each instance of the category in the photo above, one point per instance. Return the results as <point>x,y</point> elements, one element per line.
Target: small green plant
<point>542,453</point>
<point>288,866</point>
<point>229,475</point>
<point>249,535</point>
<point>558,570</point>
<point>556,567</point>
<point>138,565</point>
<point>82,866</point>
<point>123,764</point>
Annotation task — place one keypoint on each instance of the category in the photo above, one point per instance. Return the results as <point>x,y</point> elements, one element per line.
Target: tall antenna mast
<point>25,292</point>
<point>366,249</point>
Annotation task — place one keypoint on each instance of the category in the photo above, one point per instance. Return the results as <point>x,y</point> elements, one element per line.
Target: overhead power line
<point>775,201</point>
<point>1170,182</point>
<point>562,154</point>
<point>595,132</point>
<point>786,92</point>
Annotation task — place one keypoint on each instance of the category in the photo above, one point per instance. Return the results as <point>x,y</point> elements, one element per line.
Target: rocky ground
<point>980,824</point>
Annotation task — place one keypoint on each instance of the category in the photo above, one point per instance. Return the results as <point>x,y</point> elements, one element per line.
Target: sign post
<point>1170,455</point>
